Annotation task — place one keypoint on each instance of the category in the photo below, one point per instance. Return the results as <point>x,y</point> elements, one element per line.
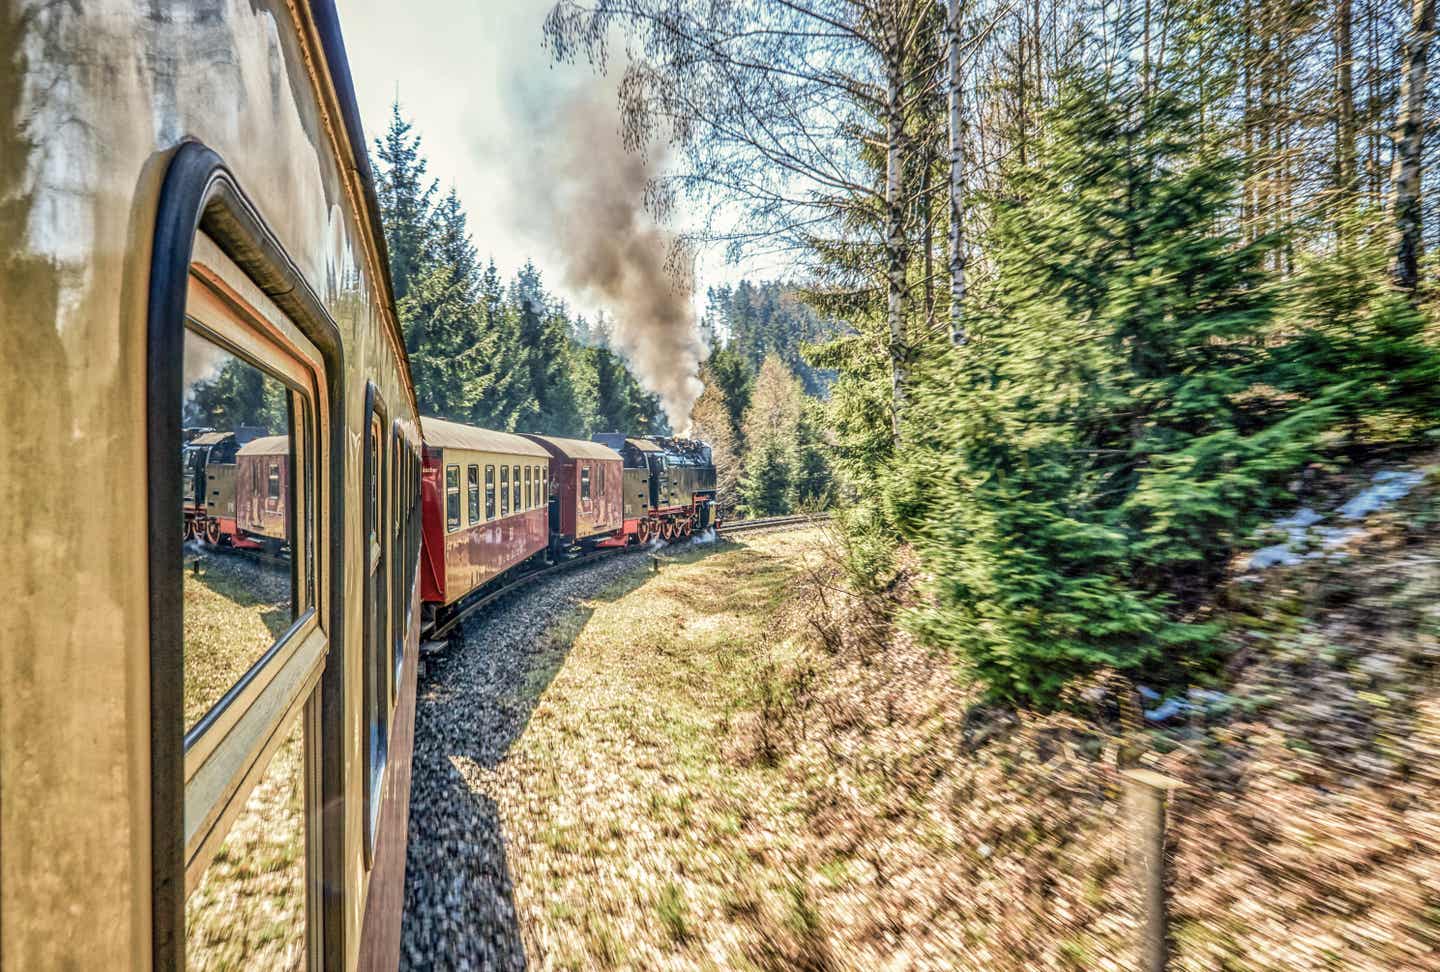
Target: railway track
<point>742,526</point>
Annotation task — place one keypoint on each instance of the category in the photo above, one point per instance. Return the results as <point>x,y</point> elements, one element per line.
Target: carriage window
<point>489,492</point>
<point>504,490</point>
<point>515,472</point>
<point>584,483</point>
<point>529,489</point>
<point>452,498</point>
<point>253,645</point>
<point>240,582</point>
<point>473,483</point>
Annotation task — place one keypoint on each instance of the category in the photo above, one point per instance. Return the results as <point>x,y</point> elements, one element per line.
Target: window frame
<point>515,486</point>
<point>228,749</point>
<point>377,668</point>
<point>504,491</point>
<point>472,494</point>
<point>489,492</point>
<point>452,520</point>
<point>585,482</point>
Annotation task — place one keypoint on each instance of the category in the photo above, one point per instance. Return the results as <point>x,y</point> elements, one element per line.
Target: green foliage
<point>508,358</point>
<point>785,466</point>
<point>754,320</point>
<point>1088,461</point>
<point>239,395</point>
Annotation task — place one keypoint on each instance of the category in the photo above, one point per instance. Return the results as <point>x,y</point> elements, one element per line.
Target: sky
<point>473,77</point>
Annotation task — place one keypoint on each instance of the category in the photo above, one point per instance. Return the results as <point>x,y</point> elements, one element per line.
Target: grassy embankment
<point>248,911</point>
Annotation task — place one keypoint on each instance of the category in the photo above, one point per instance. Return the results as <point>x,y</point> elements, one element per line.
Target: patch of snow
<point>1386,487</point>
<point>1278,555</point>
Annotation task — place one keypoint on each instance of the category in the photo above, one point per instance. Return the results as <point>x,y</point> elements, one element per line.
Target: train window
<point>452,498</point>
<point>529,489</point>
<point>515,472</point>
<point>239,580</point>
<point>489,492</point>
<point>473,484</point>
<point>585,484</point>
<point>377,666</point>
<point>504,490</point>
<point>253,642</point>
<point>600,479</point>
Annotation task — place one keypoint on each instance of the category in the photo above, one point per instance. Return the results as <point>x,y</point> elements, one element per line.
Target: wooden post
<point>1145,795</point>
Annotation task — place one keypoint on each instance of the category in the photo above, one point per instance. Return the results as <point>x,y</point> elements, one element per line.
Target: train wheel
<point>686,528</point>
<point>212,532</point>
<point>187,530</point>
<point>667,531</point>
<point>642,532</point>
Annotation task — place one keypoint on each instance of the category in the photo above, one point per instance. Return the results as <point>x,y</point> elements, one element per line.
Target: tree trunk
<point>895,241</point>
<point>1409,144</point>
<point>957,175</point>
<point>1346,161</point>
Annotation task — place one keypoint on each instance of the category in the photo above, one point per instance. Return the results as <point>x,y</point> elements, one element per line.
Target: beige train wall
<point>96,97</point>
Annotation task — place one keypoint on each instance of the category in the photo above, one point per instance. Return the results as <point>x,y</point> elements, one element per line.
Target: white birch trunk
<point>957,174</point>
<point>1409,144</point>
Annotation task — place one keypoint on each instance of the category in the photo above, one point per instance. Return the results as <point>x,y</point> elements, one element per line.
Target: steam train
<point>492,503</point>
<point>205,758</point>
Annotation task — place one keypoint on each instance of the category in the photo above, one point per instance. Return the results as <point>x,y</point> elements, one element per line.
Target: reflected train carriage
<point>484,509</point>
<point>262,485</point>
<point>586,493</point>
<point>204,756</point>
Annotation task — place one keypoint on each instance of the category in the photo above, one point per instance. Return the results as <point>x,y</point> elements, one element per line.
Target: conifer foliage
<point>503,357</point>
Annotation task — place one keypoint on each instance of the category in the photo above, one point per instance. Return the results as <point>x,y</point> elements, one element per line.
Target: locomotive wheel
<point>667,530</point>
<point>212,532</point>
<point>188,531</point>
<point>642,532</point>
<point>686,528</point>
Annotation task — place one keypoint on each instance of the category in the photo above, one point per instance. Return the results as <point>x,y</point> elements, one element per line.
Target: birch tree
<point>1409,148</point>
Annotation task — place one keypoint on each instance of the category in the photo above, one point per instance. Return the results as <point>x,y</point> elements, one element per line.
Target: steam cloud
<point>591,195</point>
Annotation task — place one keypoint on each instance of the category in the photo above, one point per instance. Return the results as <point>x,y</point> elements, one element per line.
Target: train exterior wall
<point>602,512</point>
<point>98,100</point>
<point>458,561</point>
<point>257,513</point>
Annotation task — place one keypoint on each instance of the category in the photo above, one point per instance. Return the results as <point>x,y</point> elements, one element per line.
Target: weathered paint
<point>96,97</point>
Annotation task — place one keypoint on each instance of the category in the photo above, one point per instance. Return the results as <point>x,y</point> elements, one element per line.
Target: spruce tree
<point>1084,465</point>
<point>406,200</point>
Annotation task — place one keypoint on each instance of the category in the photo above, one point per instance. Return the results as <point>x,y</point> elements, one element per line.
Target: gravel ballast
<point>473,703</point>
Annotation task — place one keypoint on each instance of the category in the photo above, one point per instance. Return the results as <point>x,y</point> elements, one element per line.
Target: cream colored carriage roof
<point>208,438</point>
<point>266,445</point>
<point>453,435</point>
<point>576,448</point>
<point>644,445</point>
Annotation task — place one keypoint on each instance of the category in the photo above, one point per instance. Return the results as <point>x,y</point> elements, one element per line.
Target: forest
<point>1115,281</point>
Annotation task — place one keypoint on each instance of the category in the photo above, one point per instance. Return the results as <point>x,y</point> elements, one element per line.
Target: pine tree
<point>450,355</point>
<point>406,201</point>
<point>1082,477</point>
<point>765,487</point>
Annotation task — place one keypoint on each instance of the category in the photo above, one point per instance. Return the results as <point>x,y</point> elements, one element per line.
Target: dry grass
<point>235,608</point>
<point>248,912</point>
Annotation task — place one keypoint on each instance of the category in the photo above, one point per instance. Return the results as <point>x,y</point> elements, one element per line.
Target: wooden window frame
<point>472,494</point>
<point>489,492</point>
<point>452,521</point>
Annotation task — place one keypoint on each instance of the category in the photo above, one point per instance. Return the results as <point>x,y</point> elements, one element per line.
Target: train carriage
<point>204,756</point>
<point>262,482</point>
<point>485,511</point>
<point>586,499</point>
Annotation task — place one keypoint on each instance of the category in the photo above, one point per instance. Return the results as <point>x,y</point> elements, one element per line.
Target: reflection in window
<point>248,910</point>
<point>504,490</point>
<point>515,481</point>
<point>239,594</point>
<point>473,484</point>
<point>489,492</point>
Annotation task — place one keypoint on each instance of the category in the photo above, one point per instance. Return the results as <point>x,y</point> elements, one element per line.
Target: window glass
<point>240,590</point>
<point>473,484</point>
<point>248,909</point>
<point>489,492</point>
<point>504,490</point>
<point>515,472</point>
<point>452,498</point>
<point>584,483</point>
<point>529,488</point>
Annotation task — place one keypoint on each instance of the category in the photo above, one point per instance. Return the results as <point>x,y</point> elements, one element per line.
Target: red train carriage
<point>586,491</point>
<point>262,482</point>
<point>484,508</point>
